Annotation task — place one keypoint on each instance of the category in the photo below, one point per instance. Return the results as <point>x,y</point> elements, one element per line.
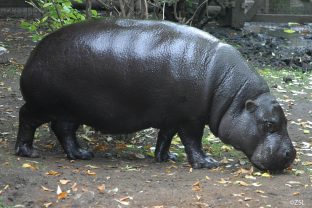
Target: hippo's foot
<point>166,157</point>
<point>80,153</point>
<point>26,151</point>
<point>204,162</point>
<point>65,131</point>
<point>163,144</point>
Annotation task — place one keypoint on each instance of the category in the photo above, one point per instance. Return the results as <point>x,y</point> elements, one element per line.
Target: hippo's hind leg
<point>29,121</point>
<point>163,144</point>
<point>191,137</point>
<point>65,132</point>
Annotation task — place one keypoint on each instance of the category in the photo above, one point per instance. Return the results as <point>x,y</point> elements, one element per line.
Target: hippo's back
<point>119,70</point>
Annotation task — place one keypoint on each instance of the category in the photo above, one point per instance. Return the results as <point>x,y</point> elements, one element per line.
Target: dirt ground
<point>131,179</point>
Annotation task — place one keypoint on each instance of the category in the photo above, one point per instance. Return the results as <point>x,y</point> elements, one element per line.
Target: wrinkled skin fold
<point>121,76</point>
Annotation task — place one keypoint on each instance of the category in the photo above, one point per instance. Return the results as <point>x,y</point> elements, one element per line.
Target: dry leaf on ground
<point>53,173</point>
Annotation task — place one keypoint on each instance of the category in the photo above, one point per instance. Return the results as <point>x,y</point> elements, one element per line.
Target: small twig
<point>146,9</point>
<point>175,11</point>
<point>191,19</point>
<point>31,3</point>
<point>57,12</point>
<point>130,5</point>
<point>131,8</point>
<point>104,4</point>
<point>122,8</point>
<point>163,12</point>
<point>154,5</point>
<point>117,11</point>
<point>88,9</point>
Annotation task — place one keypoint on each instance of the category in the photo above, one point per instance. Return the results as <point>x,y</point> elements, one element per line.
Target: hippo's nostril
<point>287,154</point>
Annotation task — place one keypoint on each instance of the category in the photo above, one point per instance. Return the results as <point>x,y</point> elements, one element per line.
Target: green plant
<point>54,15</point>
<point>2,205</point>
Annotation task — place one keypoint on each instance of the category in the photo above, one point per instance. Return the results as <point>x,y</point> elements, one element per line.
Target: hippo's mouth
<point>275,166</point>
<point>271,169</point>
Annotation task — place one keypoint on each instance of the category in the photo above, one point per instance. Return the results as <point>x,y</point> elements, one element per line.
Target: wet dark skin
<point>121,76</point>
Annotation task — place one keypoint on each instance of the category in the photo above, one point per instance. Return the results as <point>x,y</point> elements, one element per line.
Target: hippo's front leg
<point>191,137</point>
<point>163,144</point>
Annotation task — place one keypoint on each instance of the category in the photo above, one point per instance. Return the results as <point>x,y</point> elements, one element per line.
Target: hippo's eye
<point>269,127</point>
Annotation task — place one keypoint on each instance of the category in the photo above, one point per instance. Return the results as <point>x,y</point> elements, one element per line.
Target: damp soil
<point>117,178</point>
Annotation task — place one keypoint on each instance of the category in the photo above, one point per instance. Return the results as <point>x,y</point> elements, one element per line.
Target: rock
<point>5,30</point>
<point>83,199</point>
<point>287,79</point>
<point>4,55</point>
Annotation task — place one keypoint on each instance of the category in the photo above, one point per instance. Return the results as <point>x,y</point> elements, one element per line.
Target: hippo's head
<point>260,131</point>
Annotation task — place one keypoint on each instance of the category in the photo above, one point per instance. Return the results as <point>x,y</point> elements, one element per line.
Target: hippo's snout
<point>274,158</point>
<point>289,155</point>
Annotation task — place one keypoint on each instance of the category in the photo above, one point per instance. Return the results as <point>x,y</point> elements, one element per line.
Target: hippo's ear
<point>250,105</point>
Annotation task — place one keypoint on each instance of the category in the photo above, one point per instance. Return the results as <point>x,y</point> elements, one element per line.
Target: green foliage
<point>2,205</point>
<point>55,14</point>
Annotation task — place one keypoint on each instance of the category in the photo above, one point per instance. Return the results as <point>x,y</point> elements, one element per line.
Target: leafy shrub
<point>54,15</point>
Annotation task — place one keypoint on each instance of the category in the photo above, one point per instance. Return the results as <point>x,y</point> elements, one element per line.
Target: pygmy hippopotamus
<point>121,76</point>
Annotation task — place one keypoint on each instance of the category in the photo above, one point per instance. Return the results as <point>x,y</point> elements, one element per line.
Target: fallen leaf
<point>306,163</point>
<point>296,193</point>
<point>257,173</point>
<point>242,183</point>
<point>30,166</point>
<point>239,195</point>
<point>294,182</point>
<point>196,186</point>
<point>74,187</point>
<point>125,198</point>
<point>114,191</point>
<point>5,188</point>
<point>48,204</point>
<point>60,193</point>
<point>126,203</point>
<point>207,178</point>
<point>49,146</point>
<point>250,177</point>
<point>257,184</point>
<point>64,182</point>
<point>306,131</point>
<point>121,146</point>
<point>101,188</point>
<point>224,161</point>
<point>243,171</point>
<point>201,204</point>
<point>223,181</point>
<point>101,148</point>
<point>266,174</point>
<point>293,24</point>
<point>226,148</point>
<point>58,190</point>
<point>247,199</point>
<point>91,173</point>
<point>53,173</point>
<point>299,172</point>
<point>198,197</point>
<point>92,166</point>
<point>260,191</point>
<point>76,171</point>
<point>46,189</point>
<point>84,189</point>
